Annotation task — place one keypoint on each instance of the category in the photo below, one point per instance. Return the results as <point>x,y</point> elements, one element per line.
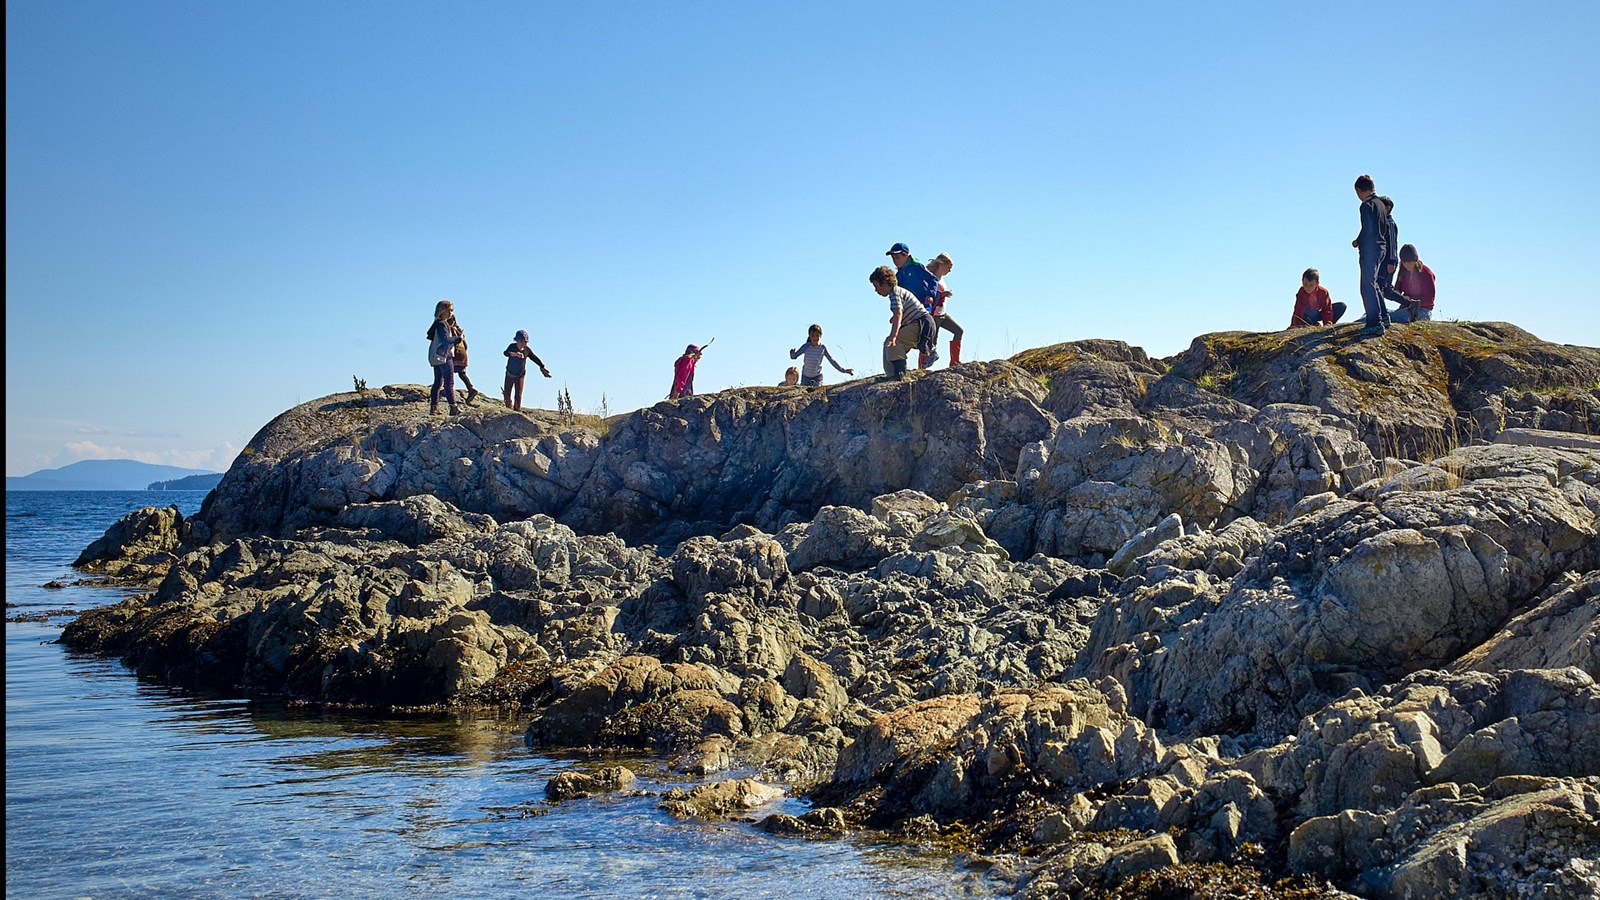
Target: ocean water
<point>117,787</point>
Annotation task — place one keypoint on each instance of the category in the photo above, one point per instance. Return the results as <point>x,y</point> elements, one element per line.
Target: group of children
<point>447,353</point>
<point>917,296</point>
<point>1390,271</point>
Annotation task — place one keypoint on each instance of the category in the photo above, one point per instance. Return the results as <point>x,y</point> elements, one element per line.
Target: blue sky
<point>215,211</point>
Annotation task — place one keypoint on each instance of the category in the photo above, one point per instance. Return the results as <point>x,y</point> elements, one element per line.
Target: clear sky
<point>216,211</point>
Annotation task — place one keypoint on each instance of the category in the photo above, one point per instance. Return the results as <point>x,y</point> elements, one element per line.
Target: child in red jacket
<point>1312,304</point>
<point>1415,282</point>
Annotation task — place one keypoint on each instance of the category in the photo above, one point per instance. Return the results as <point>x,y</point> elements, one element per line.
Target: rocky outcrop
<point>1099,440</point>
<point>1415,394</point>
<point>1275,606</point>
<point>1354,594</point>
<point>137,548</point>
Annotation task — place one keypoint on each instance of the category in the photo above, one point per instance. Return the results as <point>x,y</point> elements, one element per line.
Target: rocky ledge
<point>1285,606</point>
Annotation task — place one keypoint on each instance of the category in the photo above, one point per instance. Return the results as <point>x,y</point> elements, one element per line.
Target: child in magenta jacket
<point>683,373</point>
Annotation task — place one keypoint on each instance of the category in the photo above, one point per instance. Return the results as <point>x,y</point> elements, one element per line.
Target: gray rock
<point>1143,542</point>
<point>1563,630</point>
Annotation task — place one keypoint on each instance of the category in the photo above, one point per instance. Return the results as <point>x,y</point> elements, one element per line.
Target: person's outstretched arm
<point>829,357</point>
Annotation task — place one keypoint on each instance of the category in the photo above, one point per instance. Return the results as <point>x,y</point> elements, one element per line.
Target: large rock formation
<point>1286,603</point>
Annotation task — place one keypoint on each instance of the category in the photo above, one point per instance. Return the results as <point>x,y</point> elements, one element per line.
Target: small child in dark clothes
<point>517,355</point>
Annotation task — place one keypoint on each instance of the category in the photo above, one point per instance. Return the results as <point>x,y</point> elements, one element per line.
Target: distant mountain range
<point>112,475</point>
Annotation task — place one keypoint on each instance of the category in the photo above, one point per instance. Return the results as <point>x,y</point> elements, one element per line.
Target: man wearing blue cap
<point>517,355</point>
<point>915,278</point>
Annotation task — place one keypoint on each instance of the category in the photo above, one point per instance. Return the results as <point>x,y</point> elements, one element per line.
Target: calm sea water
<point>117,787</point>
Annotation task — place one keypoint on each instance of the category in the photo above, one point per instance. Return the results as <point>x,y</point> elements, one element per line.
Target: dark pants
<point>811,380</point>
<point>444,379</point>
<point>1338,313</point>
<point>1372,292</point>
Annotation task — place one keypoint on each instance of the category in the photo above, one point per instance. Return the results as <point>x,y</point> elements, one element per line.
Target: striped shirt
<point>815,354</point>
<point>911,308</point>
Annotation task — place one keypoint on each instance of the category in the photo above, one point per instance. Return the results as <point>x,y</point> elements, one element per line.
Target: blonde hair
<point>442,307</point>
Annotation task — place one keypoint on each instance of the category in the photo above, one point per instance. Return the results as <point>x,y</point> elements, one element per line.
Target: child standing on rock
<point>517,355</point>
<point>1372,246</point>
<point>815,352</point>
<point>442,338</point>
<point>683,373</point>
<point>459,361</point>
<point>939,267</point>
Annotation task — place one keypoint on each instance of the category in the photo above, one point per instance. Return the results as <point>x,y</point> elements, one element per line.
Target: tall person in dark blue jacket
<point>1372,246</point>
<point>923,285</point>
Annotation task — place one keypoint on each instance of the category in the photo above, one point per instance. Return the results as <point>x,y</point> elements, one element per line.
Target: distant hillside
<point>100,475</point>
<point>189,483</point>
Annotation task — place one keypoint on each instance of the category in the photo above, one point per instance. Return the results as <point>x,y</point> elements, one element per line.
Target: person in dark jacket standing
<point>1373,251</point>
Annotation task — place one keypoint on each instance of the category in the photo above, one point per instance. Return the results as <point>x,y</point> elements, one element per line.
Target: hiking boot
<point>955,353</point>
<point>1373,331</point>
<point>472,394</point>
